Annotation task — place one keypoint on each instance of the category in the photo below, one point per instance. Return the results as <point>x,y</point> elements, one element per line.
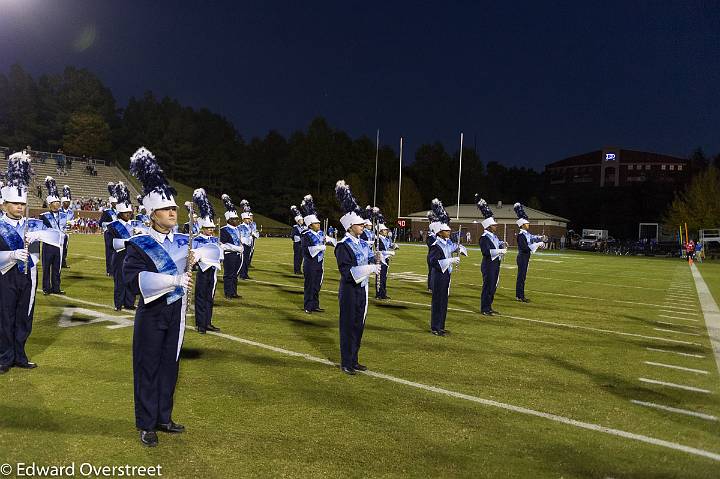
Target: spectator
<point>699,253</point>
<point>562,242</point>
<point>468,237</point>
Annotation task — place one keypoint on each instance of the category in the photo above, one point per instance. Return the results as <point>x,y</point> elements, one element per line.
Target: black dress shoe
<point>437,333</point>
<point>210,327</point>
<point>360,367</point>
<point>348,371</point>
<point>4,369</point>
<point>171,427</point>
<point>117,308</point>
<point>58,292</point>
<point>492,311</point>
<point>131,308</point>
<point>445,331</point>
<point>486,313</point>
<point>27,365</point>
<point>307,311</point>
<point>201,331</point>
<point>149,438</point>
<point>65,266</point>
<point>318,310</point>
<point>46,293</point>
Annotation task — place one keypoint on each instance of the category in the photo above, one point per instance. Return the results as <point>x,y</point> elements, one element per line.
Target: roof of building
<point>469,212</point>
<point>626,156</point>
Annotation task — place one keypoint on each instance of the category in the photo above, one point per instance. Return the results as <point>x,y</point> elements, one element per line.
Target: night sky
<point>528,83</point>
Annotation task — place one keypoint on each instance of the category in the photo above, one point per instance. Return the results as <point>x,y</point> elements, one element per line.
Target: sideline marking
<point>710,311</point>
<point>673,385</point>
<point>676,332</point>
<point>674,409</point>
<point>675,317</point>
<point>680,368</point>
<point>690,355</point>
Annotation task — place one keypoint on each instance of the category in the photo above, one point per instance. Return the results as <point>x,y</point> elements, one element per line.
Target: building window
<point>672,167</point>
<point>663,167</point>
<point>679,167</point>
<point>647,167</point>
<point>631,167</point>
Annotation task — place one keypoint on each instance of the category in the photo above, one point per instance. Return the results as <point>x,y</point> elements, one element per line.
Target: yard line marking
<point>90,303</point>
<point>710,310</point>
<point>675,317</point>
<point>677,352</point>
<point>678,312</point>
<point>676,332</point>
<point>487,402</point>
<point>674,409</point>
<point>673,385</point>
<point>595,282</point>
<point>565,325</point>
<point>680,368</point>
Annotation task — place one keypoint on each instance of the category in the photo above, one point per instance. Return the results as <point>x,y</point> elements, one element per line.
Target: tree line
<point>76,111</point>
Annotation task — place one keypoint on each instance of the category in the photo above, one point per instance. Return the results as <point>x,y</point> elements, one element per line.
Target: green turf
<point>253,412</point>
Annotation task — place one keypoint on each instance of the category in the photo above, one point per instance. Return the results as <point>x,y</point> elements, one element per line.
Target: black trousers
<point>297,257</point>
<point>439,304</point>
<point>523,261</point>
<point>51,261</point>
<point>122,297</point>
<point>109,250</point>
<point>204,297</point>
<point>15,322</point>
<point>231,267</point>
<point>155,362</point>
<point>66,243</point>
<point>247,257</point>
<point>381,284</point>
<point>490,273</point>
<point>353,306</point>
<point>313,272</point>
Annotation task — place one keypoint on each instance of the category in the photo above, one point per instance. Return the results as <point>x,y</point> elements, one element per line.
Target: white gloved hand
<point>183,280</point>
<point>256,234</point>
<point>32,236</point>
<point>378,268</point>
<point>503,251</point>
<point>455,260</point>
<point>19,255</point>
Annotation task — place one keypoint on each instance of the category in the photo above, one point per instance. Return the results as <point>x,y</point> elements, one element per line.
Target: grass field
<point>537,386</point>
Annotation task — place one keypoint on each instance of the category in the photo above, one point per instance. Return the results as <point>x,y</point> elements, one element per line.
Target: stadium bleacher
<point>81,183</point>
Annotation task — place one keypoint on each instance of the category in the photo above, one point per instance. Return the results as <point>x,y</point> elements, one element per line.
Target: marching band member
<point>387,249</point>
<point>121,230</point>
<point>441,261</point>
<point>52,255</point>
<point>254,236</point>
<point>142,215</point>
<point>368,234</point>
<point>108,216</point>
<point>232,249</point>
<point>19,256</point>
<point>296,234</point>
<point>156,268</point>
<point>247,238</point>
<point>209,255</point>
<point>66,216</point>
<point>313,250</point>
<point>356,263</point>
<point>527,244</point>
<point>493,250</point>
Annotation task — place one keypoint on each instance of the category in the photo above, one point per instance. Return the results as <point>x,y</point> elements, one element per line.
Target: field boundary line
<point>710,311</point>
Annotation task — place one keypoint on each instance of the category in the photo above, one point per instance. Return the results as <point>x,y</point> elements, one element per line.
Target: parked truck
<point>592,240</point>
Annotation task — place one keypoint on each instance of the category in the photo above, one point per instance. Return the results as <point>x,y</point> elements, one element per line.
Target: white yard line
<point>489,402</point>
<point>677,410</point>
<point>690,355</point>
<point>710,310</point>
<point>678,312</point>
<point>676,332</point>
<point>679,368</point>
<point>673,324</point>
<point>673,385</point>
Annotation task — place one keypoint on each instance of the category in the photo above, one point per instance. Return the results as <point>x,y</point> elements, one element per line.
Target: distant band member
<point>296,235</point>
<point>209,255</point>
<point>108,216</point>
<point>493,250</point>
<point>52,255</point>
<point>313,245</point>
<point>121,231</point>
<point>232,249</point>
<point>527,244</point>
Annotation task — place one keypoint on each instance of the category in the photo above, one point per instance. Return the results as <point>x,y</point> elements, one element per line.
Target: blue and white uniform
<point>313,255</point>
<point>245,230</point>
<point>209,253</point>
<point>17,285</point>
<point>356,264</point>
<point>527,244</point>
<point>120,232</point>
<point>51,254</point>
<point>233,258</point>
<point>108,216</point>
<point>296,236</point>
<point>66,216</point>
<point>492,249</point>
<point>154,268</point>
<point>441,261</point>
<point>385,247</point>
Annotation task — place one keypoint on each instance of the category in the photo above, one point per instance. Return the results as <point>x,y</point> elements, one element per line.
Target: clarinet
<point>25,241</point>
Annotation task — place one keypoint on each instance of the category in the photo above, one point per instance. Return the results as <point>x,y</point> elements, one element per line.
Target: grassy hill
<point>185,194</point>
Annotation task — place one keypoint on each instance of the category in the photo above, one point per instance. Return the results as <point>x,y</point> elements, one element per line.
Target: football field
<point>608,372</point>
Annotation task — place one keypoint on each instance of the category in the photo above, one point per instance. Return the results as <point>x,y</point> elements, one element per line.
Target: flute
<point>188,263</point>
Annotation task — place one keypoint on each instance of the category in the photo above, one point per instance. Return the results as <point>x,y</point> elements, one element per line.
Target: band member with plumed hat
<point>386,248</point>
<point>429,240</point>
<point>527,244</point>
<point>248,233</point>
<point>232,249</point>
<point>120,231</point>
<point>52,255</point>
<point>66,216</point>
<point>493,250</point>
<point>313,245</point>
<point>356,262</point>
<point>209,255</point>
<point>296,236</point>
<point>106,217</point>
<point>157,267</point>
